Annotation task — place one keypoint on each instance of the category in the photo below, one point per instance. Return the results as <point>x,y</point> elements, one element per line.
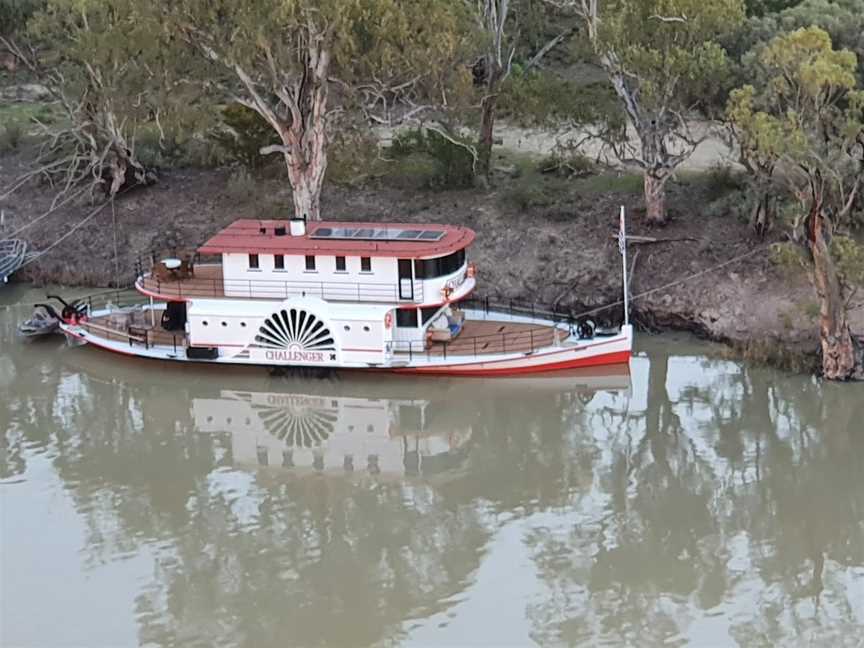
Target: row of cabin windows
<point>433,268</point>
<point>279,263</point>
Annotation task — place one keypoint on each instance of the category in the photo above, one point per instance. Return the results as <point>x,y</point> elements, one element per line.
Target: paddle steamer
<point>395,297</point>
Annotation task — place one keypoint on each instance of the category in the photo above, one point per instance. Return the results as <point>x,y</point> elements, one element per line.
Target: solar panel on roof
<point>377,234</point>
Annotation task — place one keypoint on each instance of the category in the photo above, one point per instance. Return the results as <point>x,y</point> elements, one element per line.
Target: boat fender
<point>388,320</point>
<point>586,329</point>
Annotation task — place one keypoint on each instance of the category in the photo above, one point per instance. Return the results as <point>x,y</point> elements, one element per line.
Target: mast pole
<point>622,247</point>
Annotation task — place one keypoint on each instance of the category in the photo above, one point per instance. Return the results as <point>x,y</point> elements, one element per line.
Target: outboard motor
<point>71,312</point>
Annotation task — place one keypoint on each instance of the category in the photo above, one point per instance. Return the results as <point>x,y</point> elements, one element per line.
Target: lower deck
<point>142,327</point>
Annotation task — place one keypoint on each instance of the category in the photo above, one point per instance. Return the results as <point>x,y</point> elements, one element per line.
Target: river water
<point>696,501</point>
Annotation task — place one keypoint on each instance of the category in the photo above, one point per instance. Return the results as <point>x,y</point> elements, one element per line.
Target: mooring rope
<point>74,229</point>
<point>675,283</point>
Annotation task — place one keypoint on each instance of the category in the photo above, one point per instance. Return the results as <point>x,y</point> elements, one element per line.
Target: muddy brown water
<point>695,502</point>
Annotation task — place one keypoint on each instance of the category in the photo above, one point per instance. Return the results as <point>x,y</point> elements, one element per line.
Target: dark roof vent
<point>262,230</point>
<point>279,231</point>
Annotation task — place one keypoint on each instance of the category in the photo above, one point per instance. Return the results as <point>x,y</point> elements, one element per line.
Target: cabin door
<point>406,279</point>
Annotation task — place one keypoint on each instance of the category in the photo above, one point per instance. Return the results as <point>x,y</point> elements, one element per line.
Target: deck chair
<point>187,267</point>
<point>162,273</point>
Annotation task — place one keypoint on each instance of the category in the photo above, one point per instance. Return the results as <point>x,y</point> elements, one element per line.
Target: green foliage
<point>672,61</point>
<point>14,14</point>
<point>453,163</point>
<point>764,7</point>
<point>722,180</point>
<point>245,134</point>
<point>805,114</point>
<point>544,98</point>
<point>354,158</point>
<point>849,257</point>
<point>843,20</point>
<point>789,256</point>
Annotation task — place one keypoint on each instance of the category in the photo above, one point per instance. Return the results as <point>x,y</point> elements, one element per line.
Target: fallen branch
<point>648,240</point>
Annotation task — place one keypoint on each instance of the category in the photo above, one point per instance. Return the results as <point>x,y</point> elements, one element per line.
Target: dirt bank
<point>560,249</point>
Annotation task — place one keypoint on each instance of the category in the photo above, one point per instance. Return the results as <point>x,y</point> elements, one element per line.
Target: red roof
<point>245,237</point>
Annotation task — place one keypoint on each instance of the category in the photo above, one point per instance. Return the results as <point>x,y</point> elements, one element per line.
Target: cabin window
<point>253,262</point>
<point>406,318</point>
<point>432,268</point>
<point>429,312</point>
<point>279,262</point>
<point>310,263</point>
<point>340,264</point>
<point>365,264</point>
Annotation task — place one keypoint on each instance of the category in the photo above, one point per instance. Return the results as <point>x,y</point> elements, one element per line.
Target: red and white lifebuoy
<point>388,320</point>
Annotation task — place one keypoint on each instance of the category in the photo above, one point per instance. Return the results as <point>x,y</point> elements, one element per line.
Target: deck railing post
<point>531,332</point>
<point>410,351</point>
<point>174,338</point>
<point>504,342</point>
<point>475,347</point>
<point>445,350</point>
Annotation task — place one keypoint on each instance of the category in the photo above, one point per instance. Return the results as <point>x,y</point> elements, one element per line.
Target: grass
<point>609,182</point>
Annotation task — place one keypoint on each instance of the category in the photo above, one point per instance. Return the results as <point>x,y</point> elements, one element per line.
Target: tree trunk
<point>306,170</point>
<point>655,199</point>
<point>487,126</point>
<point>841,357</point>
<point>761,215</point>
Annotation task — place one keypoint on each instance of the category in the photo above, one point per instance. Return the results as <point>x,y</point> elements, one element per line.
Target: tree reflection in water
<point>711,503</point>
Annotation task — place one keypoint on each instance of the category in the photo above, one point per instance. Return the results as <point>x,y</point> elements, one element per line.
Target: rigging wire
<point>675,283</point>
<point>46,214</point>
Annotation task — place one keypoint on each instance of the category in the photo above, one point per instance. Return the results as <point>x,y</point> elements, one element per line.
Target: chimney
<point>298,226</point>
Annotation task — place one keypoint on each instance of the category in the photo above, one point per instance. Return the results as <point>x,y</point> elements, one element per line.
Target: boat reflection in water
<point>345,435</point>
<point>366,433</point>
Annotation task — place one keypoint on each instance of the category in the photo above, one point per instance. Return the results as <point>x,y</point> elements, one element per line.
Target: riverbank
<point>540,237</point>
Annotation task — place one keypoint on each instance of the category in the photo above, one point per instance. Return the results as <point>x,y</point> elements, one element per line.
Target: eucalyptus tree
<point>806,119</point>
<point>660,57</point>
<point>516,35</point>
<point>101,63</point>
<point>302,64</point>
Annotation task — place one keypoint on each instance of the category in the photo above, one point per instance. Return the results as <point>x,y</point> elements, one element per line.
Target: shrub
<point>721,180</point>
<point>352,158</point>
<point>241,185</point>
<point>10,138</point>
<point>453,163</point>
<point>528,196</point>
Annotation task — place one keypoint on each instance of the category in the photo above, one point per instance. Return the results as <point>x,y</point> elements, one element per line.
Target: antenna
<point>622,247</point>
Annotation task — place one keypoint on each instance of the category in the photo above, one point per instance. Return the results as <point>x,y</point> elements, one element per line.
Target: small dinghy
<point>44,321</point>
<point>13,253</point>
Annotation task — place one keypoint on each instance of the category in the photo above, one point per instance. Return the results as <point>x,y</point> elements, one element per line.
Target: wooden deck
<point>477,338</point>
<point>480,337</point>
<point>135,328</point>
<point>206,282</point>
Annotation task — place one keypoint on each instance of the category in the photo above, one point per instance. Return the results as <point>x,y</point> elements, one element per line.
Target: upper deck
<point>407,264</point>
<point>333,238</point>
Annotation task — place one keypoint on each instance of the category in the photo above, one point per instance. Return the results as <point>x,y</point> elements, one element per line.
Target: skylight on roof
<point>377,234</point>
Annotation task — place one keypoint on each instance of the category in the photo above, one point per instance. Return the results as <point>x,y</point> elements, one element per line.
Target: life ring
<point>472,271</point>
<point>388,320</point>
